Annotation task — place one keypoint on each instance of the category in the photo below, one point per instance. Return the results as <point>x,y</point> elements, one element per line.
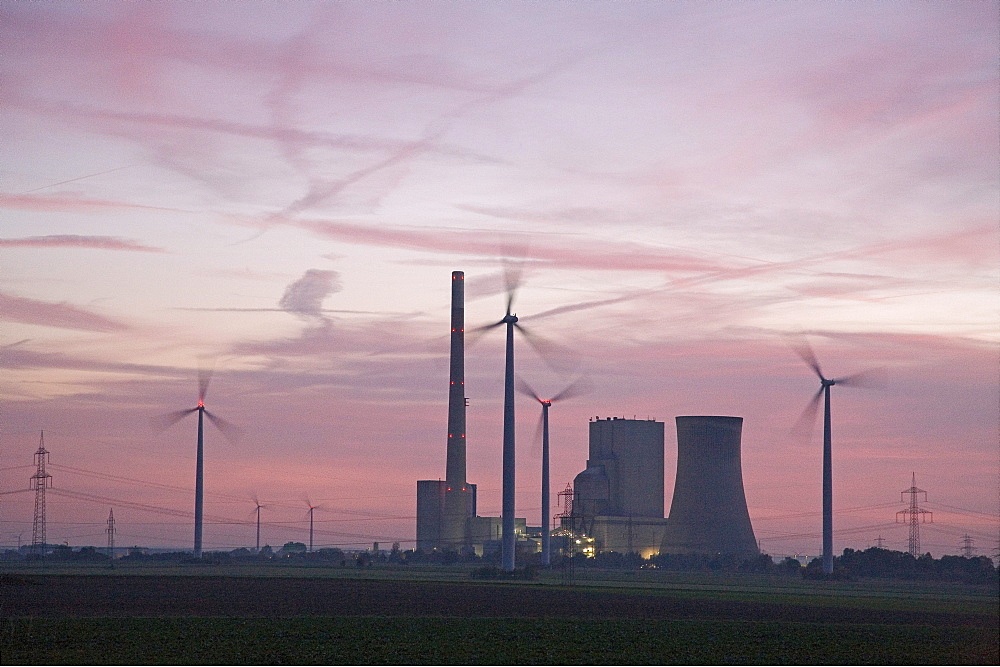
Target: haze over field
<point>280,191</point>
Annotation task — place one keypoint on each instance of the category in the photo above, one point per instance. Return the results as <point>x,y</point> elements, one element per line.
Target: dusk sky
<point>280,191</point>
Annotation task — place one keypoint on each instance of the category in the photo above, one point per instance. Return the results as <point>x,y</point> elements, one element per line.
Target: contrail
<point>78,178</point>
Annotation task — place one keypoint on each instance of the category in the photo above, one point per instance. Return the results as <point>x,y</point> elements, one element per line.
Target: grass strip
<point>503,641</point>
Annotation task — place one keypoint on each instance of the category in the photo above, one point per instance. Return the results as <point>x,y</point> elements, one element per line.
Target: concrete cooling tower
<point>708,513</point>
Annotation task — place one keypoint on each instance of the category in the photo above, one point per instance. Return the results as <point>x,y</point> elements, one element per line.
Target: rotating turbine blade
<point>472,336</point>
<point>231,432</point>
<point>804,350</point>
<point>804,424</point>
<point>575,388</point>
<point>204,378</point>
<point>874,378</point>
<point>523,387</point>
<point>163,422</point>
<point>555,356</point>
<point>512,281</point>
<point>536,440</point>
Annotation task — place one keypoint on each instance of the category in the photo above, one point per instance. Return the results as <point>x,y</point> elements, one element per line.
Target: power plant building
<point>618,501</point>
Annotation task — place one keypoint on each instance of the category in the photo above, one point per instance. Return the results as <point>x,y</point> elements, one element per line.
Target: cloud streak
<point>71,203</point>
<point>59,315</point>
<point>78,241</point>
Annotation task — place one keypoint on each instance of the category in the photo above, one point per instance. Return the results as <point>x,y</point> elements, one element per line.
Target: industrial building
<point>618,501</point>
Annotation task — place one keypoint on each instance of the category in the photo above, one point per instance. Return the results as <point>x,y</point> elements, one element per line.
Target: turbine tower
<point>311,508</point>
<point>808,416</point>
<point>507,537</point>
<point>227,429</point>
<point>259,507</point>
<point>571,390</point>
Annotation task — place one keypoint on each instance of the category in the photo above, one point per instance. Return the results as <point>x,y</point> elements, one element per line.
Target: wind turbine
<point>512,280</point>
<point>311,508</point>
<point>230,431</point>
<point>573,389</point>
<point>258,508</point>
<point>807,418</point>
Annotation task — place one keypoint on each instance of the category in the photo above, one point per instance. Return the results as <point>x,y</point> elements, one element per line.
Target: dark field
<point>325,619</point>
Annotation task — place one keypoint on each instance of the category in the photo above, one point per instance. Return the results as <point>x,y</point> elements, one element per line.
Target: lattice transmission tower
<point>968,548</point>
<point>564,499</point>
<point>914,515</point>
<point>40,481</point>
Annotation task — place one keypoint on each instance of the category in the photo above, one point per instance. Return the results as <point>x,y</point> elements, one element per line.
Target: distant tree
<point>241,554</point>
<point>329,553</point>
<point>762,563</point>
<point>790,565</point>
<point>293,549</point>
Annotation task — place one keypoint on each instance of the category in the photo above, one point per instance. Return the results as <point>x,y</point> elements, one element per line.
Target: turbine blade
<point>555,356</point>
<point>524,388</point>
<point>804,424</point>
<point>204,378</point>
<point>511,280</point>
<point>473,336</point>
<point>536,440</point>
<point>163,422</point>
<point>873,378</point>
<point>575,388</point>
<point>231,432</point>
<point>804,350</point>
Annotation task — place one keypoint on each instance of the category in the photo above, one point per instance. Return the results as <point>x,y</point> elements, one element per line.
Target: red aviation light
<point>201,404</point>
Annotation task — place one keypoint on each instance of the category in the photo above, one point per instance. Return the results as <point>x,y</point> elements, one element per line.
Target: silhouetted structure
<point>444,506</point>
<point>708,513</point>
<point>618,499</point>
<point>914,515</point>
<point>40,481</point>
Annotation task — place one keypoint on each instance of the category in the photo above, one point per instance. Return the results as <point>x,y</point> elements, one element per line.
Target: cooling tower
<point>708,514</point>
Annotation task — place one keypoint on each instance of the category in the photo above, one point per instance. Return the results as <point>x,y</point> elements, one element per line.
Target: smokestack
<point>455,473</point>
<point>708,513</point>
<point>458,495</point>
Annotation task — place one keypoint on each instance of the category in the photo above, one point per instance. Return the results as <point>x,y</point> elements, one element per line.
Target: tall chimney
<point>455,473</point>
<point>459,497</point>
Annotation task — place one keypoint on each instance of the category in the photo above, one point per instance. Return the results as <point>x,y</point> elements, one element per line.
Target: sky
<point>278,192</point>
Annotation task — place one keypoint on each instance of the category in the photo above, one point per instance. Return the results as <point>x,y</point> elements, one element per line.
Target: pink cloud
<point>61,315</point>
<point>70,203</point>
<point>566,253</point>
<point>77,241</point>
